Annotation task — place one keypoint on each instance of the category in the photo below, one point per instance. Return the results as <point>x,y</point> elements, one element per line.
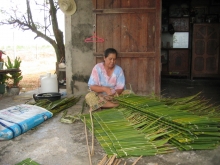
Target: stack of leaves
<point>58,105</point>
<point>118,137</point>
<point>185,130</point>
<point>195,104</point>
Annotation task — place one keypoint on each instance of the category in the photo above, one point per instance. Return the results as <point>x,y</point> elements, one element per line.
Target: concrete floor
<point>55,143</point>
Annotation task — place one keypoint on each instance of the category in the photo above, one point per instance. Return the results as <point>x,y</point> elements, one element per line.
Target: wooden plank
<point>125,24</point>
<point>100,4</point>
<point>148,3</point>
<point>124,10</point>
<point>5,71</point>
<point>99,59</point>
<point>151,32</point>
<point>133,74</point>
<point>143,3</point>
<point>125,3</point>
<point>125,64</point>
<point>151,3</point>
<point>134,4</point>
<point>142,76</point>
<point>157,66</point>
<point>143,33</point>
<point>108,4</point>
<point>116,32</point>
<point>94,4</point>
<point>131,54</point>
<point>108,30</point>
<point>134,32</point>
<point>150,72</point>
<point>116,4</point>
<point>129,72</point>
<point>118,61</point>
<point>100,32</point>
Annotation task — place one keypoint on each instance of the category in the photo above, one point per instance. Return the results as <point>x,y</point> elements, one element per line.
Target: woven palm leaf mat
<point>193,123</point>
<point>117,136</point>
<point>146,126</point>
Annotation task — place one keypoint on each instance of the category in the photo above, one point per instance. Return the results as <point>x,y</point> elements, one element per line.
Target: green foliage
<point>57,106</point>
<point>27,161</point>
<point>15,65</point>
<point>190,123</point>
<point>118,136</point>
<point>3,78</point>
<point>15,76</point>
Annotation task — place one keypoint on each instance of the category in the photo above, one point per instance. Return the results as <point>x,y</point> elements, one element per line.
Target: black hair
<point>110,50</point>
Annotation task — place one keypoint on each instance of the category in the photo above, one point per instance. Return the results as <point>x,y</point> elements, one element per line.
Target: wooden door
<point>205,57</point>
<point>133,29</point>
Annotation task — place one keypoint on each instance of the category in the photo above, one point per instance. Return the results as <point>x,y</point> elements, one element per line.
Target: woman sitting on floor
<point>107,79</point>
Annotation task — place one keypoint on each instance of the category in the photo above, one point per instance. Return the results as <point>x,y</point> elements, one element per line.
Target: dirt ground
<point>35,62</point>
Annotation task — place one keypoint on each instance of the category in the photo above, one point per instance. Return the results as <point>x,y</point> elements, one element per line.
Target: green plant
<point>15,76</point>
<point>3,78</point>
<point>1,53</point>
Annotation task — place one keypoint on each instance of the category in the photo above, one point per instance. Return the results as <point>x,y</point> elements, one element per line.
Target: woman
<point>107,79</point>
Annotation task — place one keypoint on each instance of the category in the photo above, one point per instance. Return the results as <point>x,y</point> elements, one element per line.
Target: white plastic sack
<point>21,118</point>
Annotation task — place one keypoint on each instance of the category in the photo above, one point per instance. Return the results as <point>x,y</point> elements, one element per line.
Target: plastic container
<point>48,83</point>
<point>52,96</point>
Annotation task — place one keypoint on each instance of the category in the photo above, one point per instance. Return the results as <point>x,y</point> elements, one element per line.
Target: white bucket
<point>48,83</point>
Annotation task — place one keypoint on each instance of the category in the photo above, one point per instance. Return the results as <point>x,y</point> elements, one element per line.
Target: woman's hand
<point>109,91</point>
<point>99,89</point>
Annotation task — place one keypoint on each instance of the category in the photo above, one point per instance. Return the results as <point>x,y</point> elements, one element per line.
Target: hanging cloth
<point>94,38</point>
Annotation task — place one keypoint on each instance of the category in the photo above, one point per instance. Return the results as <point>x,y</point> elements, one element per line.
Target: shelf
<point>5,71</point>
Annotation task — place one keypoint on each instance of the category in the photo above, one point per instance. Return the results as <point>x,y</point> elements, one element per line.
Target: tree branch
<point>25,21</point>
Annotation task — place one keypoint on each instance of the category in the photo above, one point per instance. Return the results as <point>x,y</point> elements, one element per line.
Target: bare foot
<point>109,104</point>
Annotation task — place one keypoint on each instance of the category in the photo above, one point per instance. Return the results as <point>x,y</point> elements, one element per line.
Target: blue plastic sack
<point>19,119</point>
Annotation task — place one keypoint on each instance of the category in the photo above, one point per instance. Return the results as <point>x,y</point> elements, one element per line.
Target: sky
<point>10,36</point>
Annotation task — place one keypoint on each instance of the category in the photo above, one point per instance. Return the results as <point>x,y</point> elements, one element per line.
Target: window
<point>181,40</point>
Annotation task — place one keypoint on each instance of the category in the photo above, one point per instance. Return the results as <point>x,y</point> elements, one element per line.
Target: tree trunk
<point>60,48</point>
